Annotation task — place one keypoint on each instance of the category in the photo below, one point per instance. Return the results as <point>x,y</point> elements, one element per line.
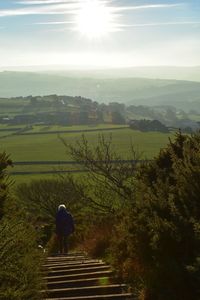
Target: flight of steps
<point>76,276</point>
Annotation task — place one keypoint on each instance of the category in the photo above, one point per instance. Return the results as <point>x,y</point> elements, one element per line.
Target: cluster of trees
<point>54,118</point>
<point>167,115</point>
<point>66,118</point>
<point>62,110</point>
<point>68,110</point>
<point>148,125</point>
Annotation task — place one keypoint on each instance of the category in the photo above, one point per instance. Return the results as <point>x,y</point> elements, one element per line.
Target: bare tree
<point>109,181</point>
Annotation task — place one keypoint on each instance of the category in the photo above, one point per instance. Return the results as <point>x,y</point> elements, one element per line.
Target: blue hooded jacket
<point>64,223</point>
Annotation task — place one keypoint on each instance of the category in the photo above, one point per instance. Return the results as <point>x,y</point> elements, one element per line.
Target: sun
<point>94,19</point>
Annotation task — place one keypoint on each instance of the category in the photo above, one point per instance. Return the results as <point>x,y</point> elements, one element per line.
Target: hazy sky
<point>99,33</point>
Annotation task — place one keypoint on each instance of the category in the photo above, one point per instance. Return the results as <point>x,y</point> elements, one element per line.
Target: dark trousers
<point>62,242</point>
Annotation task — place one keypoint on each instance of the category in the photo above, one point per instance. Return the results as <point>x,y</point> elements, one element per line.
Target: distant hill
<point>176,73</point>
<point>153,72</point>
<point>125,90</point>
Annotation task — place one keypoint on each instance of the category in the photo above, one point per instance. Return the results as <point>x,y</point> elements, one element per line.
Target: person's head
<point>61,207</point>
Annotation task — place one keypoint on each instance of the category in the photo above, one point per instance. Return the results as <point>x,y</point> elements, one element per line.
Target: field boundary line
<point>70,131</point>
<point>29,163</point>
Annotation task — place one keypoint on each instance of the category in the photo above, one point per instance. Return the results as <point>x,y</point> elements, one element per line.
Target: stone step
<point>80,282</point>
<point>65,257</point>
<point>84,261</point>
<point>78,277</point>
<point>87,291</point>
<point>85,275</point>
<point>76,270</point>
<point>71,254</point>
<point>74,266</point>
<point>123,296</point>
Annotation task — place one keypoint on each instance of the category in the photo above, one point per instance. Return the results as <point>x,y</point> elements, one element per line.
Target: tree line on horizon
<point>67,111</point>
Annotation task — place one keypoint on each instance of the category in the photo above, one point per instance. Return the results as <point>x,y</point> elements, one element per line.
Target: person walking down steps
<point>64,227</point>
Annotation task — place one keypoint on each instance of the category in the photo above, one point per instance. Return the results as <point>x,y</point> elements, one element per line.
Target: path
<point>77,277</point>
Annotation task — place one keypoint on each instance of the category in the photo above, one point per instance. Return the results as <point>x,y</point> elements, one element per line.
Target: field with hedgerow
<point>47,147</point>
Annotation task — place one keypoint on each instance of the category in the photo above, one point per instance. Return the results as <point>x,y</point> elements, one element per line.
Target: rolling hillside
<point>124,90</point>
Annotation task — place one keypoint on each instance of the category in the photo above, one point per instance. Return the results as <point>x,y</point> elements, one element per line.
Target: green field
<point>49,147</point>
<point>194,117</point>
<point>58,128</point>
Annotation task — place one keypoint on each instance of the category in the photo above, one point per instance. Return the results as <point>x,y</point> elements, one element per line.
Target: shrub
<point>4,180</point>
<point>161,233</point>
<point>20,262</point>
<point>96,241</point>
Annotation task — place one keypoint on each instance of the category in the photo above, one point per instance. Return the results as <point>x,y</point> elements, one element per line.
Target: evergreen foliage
<point>20,260</point>
<point>160,236</point>
<point>4,182</point>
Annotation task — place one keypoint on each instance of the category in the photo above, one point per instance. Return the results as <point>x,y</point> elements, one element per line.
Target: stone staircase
<point>76,276</point>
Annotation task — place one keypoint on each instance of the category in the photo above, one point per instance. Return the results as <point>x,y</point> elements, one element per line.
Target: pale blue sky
<point>137,32</point>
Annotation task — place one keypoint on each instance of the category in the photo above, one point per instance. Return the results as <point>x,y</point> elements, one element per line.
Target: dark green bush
<point>4,180</point>
<point>160,236</point>
<point>20,259</point>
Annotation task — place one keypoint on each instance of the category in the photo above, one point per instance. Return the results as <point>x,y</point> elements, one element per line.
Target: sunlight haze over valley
<point>99,33</point>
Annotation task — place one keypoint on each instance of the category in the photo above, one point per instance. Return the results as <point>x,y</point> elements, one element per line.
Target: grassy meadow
<point>49,147</point>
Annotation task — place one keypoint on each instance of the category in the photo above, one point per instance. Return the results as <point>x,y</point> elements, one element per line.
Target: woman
<point>64,227</point>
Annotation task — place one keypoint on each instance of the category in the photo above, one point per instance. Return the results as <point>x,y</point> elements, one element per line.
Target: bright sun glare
<point>94,19</point>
